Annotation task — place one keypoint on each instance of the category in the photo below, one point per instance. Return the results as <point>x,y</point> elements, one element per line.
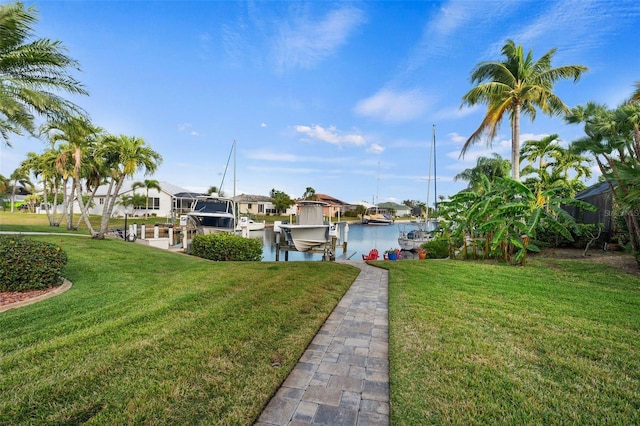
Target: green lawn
<point>480,343</point>
<point>146,336</point>
<point>150,337</point>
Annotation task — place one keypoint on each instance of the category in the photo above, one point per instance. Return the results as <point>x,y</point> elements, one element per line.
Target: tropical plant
<point>76,138</point>
<point>44,166</point>
<point>552,166</point>
<point>612,137</point>
<point>309,194</point>
<point>147,184</point>
<point>121,156</point>
<point>517,85</point>
<point>505,216</point>
<point>135,201</point>
<point>31,72</point>
<point>491,167</point>
<point>19,176</point>
<point>635,96</point>
<point>4,184</point>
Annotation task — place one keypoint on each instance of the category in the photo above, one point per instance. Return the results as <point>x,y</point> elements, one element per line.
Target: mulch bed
<point>8,297</point>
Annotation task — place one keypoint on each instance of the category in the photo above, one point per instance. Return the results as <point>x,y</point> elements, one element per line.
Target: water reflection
<point>361,239</point>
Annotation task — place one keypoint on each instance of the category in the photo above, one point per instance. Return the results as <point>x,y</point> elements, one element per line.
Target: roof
<point>248,198</point>
<point>330,200</point>
<point>165,187</point>
<point>395,206</point>
<point>597,189</point>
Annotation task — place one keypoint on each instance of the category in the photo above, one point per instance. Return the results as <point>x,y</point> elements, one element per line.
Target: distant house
<point>599,195</point>
<point>254,205</point>
<point>334,207</point>
<point>169,202</point>
<point>398,210</point>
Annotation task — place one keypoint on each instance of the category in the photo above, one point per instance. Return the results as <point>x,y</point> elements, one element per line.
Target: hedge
<point>27,264</point>
<point>225,246</point>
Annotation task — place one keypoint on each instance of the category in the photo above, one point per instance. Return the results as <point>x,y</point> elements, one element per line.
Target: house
<point>399,210</point>
<point>169,202</point>
<point>334,207</point>
<point>251,205</point>
<point>599,195</point>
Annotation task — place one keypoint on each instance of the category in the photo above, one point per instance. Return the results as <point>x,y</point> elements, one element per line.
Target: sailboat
<point>412,240</point>
<point>372,216</point>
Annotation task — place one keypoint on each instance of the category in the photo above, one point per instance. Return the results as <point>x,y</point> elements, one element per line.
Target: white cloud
<point>263,124</point>
<point>455,112</point>
<point>375,148</point>
<point>305,41</point>
<point>263,155</point>
<point>457,139</point>
<point>393,106</point>
<point>194,133</point>
<point>331,135</point>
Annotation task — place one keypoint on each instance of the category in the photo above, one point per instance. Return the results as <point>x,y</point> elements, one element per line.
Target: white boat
<point>250,224</point>
<point>310,231</point>
<point>373,217</point>
<point>412,240</point>
<point>212,214</point>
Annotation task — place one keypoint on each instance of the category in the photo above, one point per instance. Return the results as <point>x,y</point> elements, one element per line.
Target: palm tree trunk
<point>83,212</point>
<point>13,195</point>
<point>109,203</point>
<point>515,143</point>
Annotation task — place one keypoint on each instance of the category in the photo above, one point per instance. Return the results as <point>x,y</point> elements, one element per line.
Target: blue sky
<point>338,96</point>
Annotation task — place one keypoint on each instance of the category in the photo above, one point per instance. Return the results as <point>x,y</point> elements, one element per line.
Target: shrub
<point>226,247</point>
<point>29,265</point>
<point>437,249</point>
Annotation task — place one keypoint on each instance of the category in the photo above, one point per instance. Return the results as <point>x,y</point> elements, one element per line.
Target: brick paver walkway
<point>343,376</point>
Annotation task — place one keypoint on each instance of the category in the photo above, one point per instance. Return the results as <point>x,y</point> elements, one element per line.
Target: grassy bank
<point>557,342</point>
<point>146,336</point>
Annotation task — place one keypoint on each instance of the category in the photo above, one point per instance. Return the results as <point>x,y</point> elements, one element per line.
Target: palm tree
<point>30,73</point>
<point>309,194</point>
<point>122,156</point>
<point>4,184</point>
<point>147,184</point>
<point>44,166</point>
<point>78,137</point>
<point>19,176</point>
<point>517,85</point>
<point>613,139</point>
<point>635,96</point>
<point>491,167</point>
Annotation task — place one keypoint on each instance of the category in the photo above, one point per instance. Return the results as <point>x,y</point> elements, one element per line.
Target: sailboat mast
<point>426,214</point>
<point>435,173</point>
<point>377,186</point>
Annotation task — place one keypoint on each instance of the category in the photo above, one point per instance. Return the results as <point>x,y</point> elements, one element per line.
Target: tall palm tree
<point>517,85</point>
<point>78,137</point>
<point>31,73</point>
<point>123,156</point>
<point>147,184</point>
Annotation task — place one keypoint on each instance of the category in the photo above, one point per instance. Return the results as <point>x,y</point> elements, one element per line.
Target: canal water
<point>361,239</point>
